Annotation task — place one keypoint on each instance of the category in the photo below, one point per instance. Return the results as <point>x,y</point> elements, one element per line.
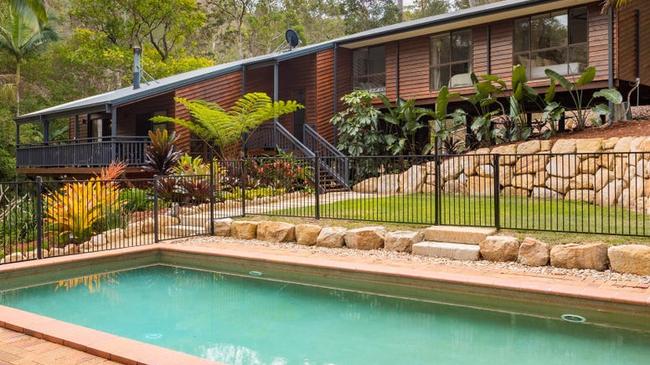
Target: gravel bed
<point>610,277</point>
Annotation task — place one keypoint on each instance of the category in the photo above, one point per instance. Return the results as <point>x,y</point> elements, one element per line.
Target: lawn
<point>516,213</point>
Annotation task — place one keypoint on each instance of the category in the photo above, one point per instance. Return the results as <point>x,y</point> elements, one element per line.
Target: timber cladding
<point>633,23</point>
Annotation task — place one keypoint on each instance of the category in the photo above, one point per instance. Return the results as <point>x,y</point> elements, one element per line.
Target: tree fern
<point>222,128</point>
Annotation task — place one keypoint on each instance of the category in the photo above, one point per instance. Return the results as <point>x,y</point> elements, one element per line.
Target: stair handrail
<point>280,130</point>
<point>331,154</point>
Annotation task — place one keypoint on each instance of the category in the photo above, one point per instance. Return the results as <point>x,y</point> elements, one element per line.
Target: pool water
<point>249,321</point>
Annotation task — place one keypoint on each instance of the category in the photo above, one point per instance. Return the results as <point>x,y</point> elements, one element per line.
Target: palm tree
<point>22,36</point>
<point>35,6</point>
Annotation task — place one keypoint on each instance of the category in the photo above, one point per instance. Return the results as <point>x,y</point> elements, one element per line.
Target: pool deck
<point>125,351</point>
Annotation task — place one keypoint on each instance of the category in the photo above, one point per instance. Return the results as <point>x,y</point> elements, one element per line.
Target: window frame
<point>450,63</point>
<point>368,76</point>
<point>566,48</point>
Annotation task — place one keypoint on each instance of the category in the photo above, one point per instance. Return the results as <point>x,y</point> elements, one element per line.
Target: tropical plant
<point>188,165</point>
<point>22,34</point>
<point>443,124</point>
<point>358,125</point>
<point>487,104</point>
<point>161,155</point>
<point>79,207</point>
<point>136,200</point>
<point>614,4</point>
<point>405,120</point>
<point>282,172</point>
<point>223,128</point>
<point>583,109</point>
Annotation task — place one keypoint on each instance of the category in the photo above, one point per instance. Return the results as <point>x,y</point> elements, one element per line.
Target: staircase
<point>457,243</point>
<point>333,165</point>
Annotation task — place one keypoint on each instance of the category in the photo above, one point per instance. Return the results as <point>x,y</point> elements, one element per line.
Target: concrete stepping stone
<point>449,250</point>
<point>453,234</point>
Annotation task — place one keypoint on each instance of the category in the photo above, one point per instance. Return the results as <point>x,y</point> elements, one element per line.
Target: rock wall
<point>596,170</point>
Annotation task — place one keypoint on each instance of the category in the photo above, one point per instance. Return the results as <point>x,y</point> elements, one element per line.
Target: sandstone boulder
<point>388,184</point>
<point>221,227</point>
<point>523,181</point>
<point>533,252</point>
<point>544,193</point>
<point>480,186</point>
<point>451,168</point>
<point>485,171</point>
<point>307,234</point>
<point>564,146</point>
<point>580,256</point>
<point>331,237</point>
<point>411,180</point>
<point>97,241</point>
<point>609,194</point>
<point>14,257</point>
<point>197,219</point>
<point>272,231</point>
<point>508,153</point>
<point>531,164</point>
<point>402,241</point>
<point>610,143</point>
<point>512,191</point>
<point>603,177</point>
<point>499,248</point>
<point>366,238</point>
<point>630,259</point>
<point>505,175</point>
<point>70,249</point>
<point>589,145</point>
<point>454,187</point>
<point>245,230</point>
<point>623,144</point>
<point>582,181</point>
<point>164,220</point>
<point>529,147</point>
<point>561,185</point>
<point>590,165</point>
<point>563,166</point>
<point>585,195</point>
<point>366,186</point>
<point>134,229</point>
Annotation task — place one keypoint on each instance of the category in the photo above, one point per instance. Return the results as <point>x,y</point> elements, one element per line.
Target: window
<point>369,69</point>
<point>557,41</point>
<point>450,63</point>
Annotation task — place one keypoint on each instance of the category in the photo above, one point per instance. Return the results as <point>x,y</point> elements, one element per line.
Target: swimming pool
<point>249,320</point>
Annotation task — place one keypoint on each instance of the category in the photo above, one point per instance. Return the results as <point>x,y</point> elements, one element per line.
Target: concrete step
<point>182,231</point>
<point>454,234</point>
<point>454,251</point>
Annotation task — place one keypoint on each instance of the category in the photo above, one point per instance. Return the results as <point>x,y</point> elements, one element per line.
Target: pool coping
<point>129,351</point>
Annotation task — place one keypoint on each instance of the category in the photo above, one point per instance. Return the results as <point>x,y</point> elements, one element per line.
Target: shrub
<point>79,208</point>
<point>161,155</point>
<point>136,200</point>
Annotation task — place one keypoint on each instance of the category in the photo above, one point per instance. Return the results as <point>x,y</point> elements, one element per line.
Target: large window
<point>451,59</point>
<point>557,41</point>
<point>369,69</point>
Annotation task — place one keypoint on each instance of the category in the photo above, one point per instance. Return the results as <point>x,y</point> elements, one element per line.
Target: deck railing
<point>86,152</point>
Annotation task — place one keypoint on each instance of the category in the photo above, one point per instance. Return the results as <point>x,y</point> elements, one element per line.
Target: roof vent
<point>137,67</point>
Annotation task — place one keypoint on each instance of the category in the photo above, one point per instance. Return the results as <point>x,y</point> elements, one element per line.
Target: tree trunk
<point>17,87</point>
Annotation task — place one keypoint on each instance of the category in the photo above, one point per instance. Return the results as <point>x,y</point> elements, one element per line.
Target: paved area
<point>20,349</point>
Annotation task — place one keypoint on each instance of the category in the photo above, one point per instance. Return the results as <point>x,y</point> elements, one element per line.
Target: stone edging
<point>627,259</point>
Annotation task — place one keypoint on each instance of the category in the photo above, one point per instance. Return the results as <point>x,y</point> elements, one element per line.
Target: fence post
<point>156,184</point>
<point>317,186</point>
<point>437,207</point>
<point>212,187</point>
<point>496,192</point>
<point>39,217</point>
<point>242,179</point>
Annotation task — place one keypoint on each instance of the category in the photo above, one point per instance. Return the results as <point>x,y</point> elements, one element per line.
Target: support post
<point>496,192</point>
<point>276,84</point>
<point>39,217</point>
<point>212,188</point>
<point>46,131</point>
<point>317,186</point>
<point>438,181</point>
<point>156,184</point>
<point>113,134</point>
<point>610,57</point>
<point>242,180</point>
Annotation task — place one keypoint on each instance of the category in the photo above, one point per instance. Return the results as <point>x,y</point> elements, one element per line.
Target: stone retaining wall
<point>612,171</point>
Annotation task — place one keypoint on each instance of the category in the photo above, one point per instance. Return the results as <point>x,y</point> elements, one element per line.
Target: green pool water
<point>249,321</point>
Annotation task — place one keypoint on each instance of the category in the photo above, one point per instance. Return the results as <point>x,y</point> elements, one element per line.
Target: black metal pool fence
<point>593,193</point>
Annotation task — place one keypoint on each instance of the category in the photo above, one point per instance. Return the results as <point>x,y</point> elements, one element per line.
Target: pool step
<point>182,231</point>
<point>454,234</point>
<point>449,250</point>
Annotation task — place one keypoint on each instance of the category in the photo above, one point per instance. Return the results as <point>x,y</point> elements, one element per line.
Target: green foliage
<point>223,128</point>
<point>405,120</point>
<point>254,193</point>
<point>161,155</point>
<point>358,125</point>
<point>582,106</point>
<point>136,200</point>
<point>443,124</point>
<point>283,172</point>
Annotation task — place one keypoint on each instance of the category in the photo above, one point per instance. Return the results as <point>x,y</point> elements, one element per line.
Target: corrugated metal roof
<point>128,94</point>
